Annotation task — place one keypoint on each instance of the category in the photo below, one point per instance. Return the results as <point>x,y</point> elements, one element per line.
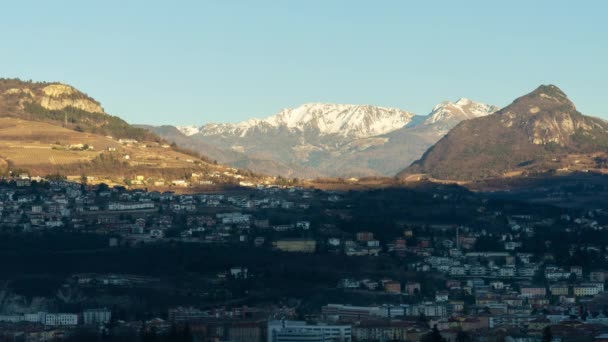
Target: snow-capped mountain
<point>345,120</point>
<point>453,112</point>
<point>338,140</point>
<point>189,130</point>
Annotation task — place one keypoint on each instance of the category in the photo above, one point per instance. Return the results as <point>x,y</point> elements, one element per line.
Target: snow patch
<point>346,120</point>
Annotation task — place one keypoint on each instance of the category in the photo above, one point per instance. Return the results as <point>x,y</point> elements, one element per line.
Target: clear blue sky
<point>183,62</point>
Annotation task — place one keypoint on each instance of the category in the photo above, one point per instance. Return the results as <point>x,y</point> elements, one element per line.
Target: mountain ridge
<point>327,118</point>
<point>539,131</point>
<point>332,140</point>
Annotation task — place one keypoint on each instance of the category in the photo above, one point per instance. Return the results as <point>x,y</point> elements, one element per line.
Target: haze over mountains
<point>327,140</point>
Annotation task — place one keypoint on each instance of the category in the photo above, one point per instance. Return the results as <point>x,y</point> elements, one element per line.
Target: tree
<point>423,319</point>
<point>433,336</point>
<point>462,337</point>
<point>547,336</point>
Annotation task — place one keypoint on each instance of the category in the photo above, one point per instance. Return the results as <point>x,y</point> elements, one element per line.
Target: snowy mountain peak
<point>342,119</point>
<point>188,130</point>
<point>463,109</point>
<point>355,121</point>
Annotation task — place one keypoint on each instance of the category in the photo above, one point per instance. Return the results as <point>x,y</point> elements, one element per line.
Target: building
<point>296,245</point>
<point>510,320</point>
<point>478,271</point>
<point>239,272</point>
<point>577,270</point>
<point>533,291</point>
<point>346,312</point>
<point>365,236</point>
<point>457,271</point>
<point>55,319</point>
<point>245,331</point>
<point>186,314</point>
<point>597,276</point>
<point>585,290</point>
<point>428,309</point>
<point>441,296</point>
<point>412,288</point>
<point>559,290</point>
<point>392,287</point>
<point>97,316</point>
<point>300,331</point>
<point>233,218</point>
<point>123,206</point>
<point>387,331</point>
<point>506,272</point>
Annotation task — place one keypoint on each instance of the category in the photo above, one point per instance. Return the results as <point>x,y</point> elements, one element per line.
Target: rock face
<point>537,132</point>
<point>51,96</point>
<point>60,96</point>
<point>63,105</point>
<point>329,140</point>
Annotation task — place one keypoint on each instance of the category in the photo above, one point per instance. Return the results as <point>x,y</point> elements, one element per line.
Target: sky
<point>194,62</point>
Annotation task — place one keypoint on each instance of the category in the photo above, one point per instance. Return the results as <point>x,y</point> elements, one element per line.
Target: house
<point>585,290</point>
<point>239,272</point>
<point>373,243</point>
<point>333,241</point>
<point>97,316</point>
<point>597,276</point>
<point>55,319</point>
<point>365,236</point>
<point>348,283</point>
<point>393,287</point>
<point>126,206</point>
<point>156,234</point>
<point>369,284</point>
<point>441,296</point>
<point>179,182</point>
<point>577,270</point>
<point>533,292</point>
<point>412,288</point>
<point>303,225</point>
<point>559,290</point>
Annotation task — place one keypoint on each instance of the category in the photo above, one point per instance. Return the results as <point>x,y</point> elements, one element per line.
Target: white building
<point>457,271</point>
<point>292,331</point>
<point>239,272</point>
<point>506,271</point>
<point>233,218</point>
<point>121,206</point>
<point>55,319</point>
<point>97,316</point>
<point>303,225</point>
<point>428,309</point>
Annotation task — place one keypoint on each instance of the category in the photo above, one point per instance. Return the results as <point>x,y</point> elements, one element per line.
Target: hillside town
<point>496,271</point>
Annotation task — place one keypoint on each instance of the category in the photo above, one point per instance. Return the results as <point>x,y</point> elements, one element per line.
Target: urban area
<point>290,264</point>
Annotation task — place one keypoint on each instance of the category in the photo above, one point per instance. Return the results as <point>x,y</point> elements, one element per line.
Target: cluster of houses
<point>97,316</point>
<point>447,280</point>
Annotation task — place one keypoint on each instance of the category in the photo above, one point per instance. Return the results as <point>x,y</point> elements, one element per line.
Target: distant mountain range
<point>539,132</point>
<point>326,140</point>
<point>54,128</point>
